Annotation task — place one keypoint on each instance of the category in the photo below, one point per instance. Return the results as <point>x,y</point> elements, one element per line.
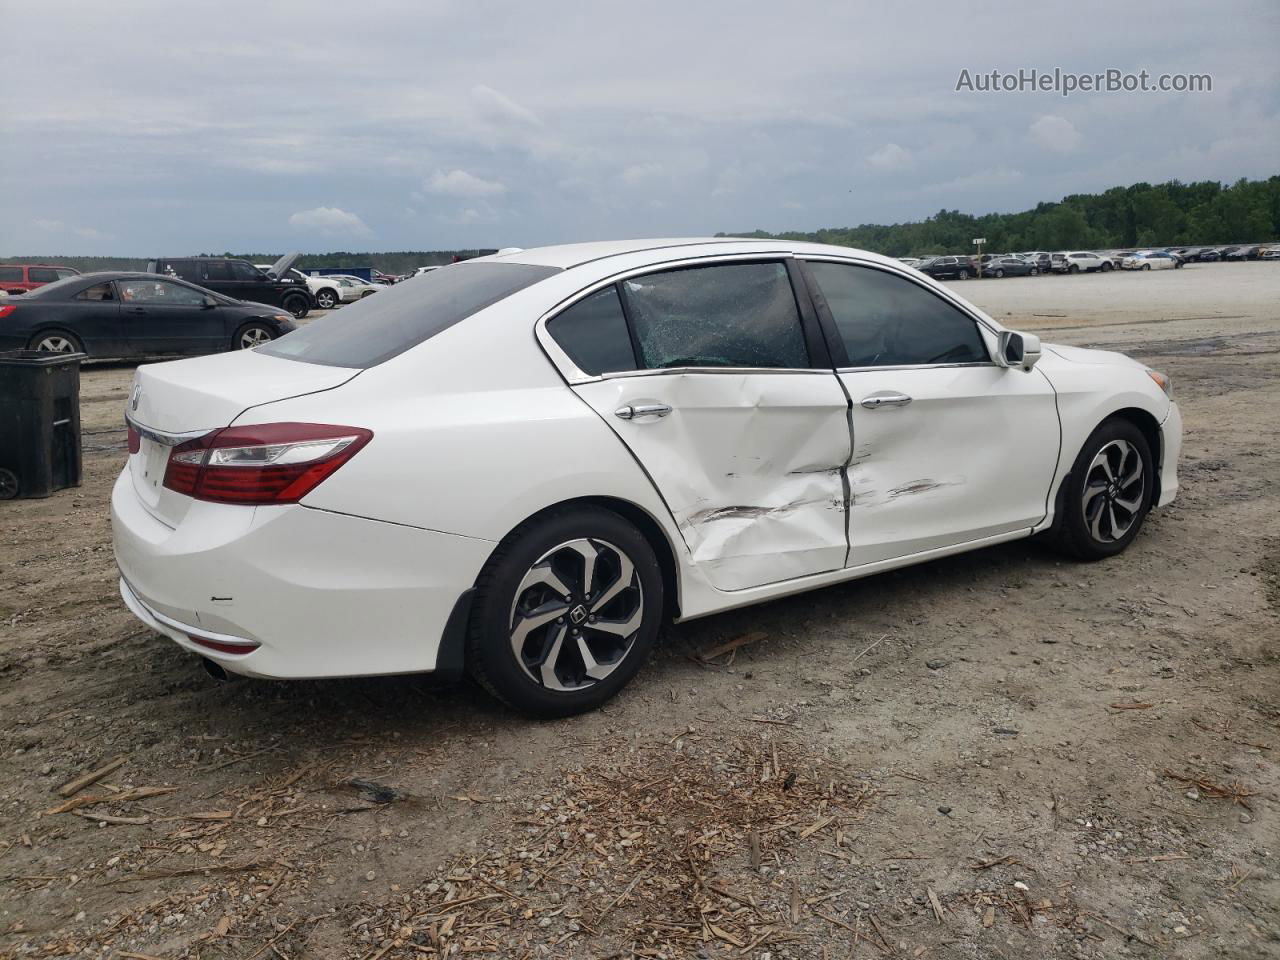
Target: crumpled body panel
<point>751,465</point>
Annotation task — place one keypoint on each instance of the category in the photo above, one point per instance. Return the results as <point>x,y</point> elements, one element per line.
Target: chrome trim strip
<point>190,631</point>
<point>919,366</point>
<point>162,438</point>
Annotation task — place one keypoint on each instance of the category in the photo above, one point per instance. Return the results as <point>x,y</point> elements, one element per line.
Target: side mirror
<point>1018,349</point>
<point>208,303</point>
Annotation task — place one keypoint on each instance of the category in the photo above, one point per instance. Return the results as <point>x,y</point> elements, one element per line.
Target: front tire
<point>298,307</point>
<point>1146,266</point>
<point>56,341</point>
<point>566,612</point>
<point>1108,492</point>
<point>999,274</point>
<point>1107,266</point>
<point>252,335</point>
<point>1034,272</point>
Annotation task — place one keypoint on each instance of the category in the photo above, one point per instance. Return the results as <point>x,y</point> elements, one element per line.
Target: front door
<point>160,316</point>
<point>717,397</point>
<point>948,447</point>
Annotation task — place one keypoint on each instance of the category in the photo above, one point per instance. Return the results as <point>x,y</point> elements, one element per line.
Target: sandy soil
<point>997,755</point>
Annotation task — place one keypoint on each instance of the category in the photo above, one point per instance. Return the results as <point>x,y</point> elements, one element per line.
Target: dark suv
<point>241,280</point>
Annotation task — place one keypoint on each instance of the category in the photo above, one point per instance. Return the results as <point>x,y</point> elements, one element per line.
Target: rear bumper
<point>1171,450</point>
<point>323,594</point>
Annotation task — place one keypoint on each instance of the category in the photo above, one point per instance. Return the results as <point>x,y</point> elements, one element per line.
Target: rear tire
<point>1108,493</point>
<point>298,307</point>
<point>1146,266</point>
<point>1033,272</point>
<point>529,646</point>
<point>1073,269</point>
<point>999,274</point>
<point>963,275</point>
<point>56,341</point>
<point>327,299</point>
<point>8,484</point>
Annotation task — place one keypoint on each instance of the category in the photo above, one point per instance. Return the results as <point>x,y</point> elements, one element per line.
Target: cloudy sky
<point>177,127</point>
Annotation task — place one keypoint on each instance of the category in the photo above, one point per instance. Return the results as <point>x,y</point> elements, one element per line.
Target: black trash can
<point>39,422</point>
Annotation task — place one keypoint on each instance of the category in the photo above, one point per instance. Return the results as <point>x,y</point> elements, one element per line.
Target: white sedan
<point>1147,260</point>
<point>522,465</point>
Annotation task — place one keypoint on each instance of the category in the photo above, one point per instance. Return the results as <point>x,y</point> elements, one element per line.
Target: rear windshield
<point>396,318</point>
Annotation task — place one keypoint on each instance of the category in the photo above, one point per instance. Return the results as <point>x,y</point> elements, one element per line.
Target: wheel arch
<point>643,521</point>
<point>1150,428</point>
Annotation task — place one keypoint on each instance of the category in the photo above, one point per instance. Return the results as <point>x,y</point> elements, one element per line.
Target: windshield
<point>375,329</point>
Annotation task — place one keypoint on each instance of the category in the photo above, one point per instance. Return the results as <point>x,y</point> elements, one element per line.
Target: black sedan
<point>135,314</point>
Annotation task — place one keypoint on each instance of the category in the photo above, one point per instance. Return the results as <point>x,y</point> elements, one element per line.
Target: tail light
<point>264,464</point>
<point>6,310</point>
<point>135,440</point>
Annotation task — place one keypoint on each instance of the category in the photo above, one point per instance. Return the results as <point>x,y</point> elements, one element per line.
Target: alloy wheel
<point>254,337</point>
<point>576,614</point>
<point>55,343</point>
<point>1113,491</point>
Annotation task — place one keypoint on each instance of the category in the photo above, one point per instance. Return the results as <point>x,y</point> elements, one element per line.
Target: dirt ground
<point>1003,754</point>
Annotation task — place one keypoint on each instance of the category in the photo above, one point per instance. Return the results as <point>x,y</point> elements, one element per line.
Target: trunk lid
<point>194,397</point>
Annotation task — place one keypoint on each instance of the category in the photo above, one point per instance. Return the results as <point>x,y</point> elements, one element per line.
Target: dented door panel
<point>971,455</point>
<point>751,465</point>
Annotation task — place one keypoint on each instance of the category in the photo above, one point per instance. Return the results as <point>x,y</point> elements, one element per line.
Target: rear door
<point>720,389</point>
<point>161,316</point>
<point>948,446</point>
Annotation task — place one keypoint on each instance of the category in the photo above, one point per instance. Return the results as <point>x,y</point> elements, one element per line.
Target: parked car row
<point>1035,262</point>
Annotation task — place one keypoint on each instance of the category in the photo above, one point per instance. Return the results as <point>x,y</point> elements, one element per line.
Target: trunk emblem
<point>137,395</point>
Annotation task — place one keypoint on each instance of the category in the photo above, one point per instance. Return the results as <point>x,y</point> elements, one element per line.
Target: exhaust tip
<point>215,670</point>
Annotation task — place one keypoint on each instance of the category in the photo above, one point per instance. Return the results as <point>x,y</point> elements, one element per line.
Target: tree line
<point>1141,215</point>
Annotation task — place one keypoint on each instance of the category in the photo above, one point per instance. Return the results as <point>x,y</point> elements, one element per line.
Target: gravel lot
<point>996,755</point>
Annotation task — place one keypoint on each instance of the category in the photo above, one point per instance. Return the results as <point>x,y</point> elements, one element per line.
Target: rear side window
<point>887,320</point>
<point>375,329</point>
<point>213,271</point>
<point>63,273</point>
<point>10,275</point>
<point>593,332</point>
<point>99,291</point>
<point>727,315</point>
<point>42,274</point>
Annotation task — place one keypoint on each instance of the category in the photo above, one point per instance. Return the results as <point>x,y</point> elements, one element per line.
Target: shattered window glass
<point>728,315</point>
<point>886,320</point>
<point>593,332</point>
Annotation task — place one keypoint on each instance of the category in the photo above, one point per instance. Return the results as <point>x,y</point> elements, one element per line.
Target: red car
<point>19,278</point>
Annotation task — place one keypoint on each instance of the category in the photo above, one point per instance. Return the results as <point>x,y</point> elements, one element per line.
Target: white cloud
<point>329,220</point>
<point>1055,133</point>
<point>459,183</point>
<point>498,106</point>
<point>891,157</point>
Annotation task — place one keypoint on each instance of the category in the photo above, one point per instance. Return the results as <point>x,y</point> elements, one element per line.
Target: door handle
<point>885,400</point>
<point>632,411</point>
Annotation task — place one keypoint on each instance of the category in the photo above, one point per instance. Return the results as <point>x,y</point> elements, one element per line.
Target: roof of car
<point>569,255</point>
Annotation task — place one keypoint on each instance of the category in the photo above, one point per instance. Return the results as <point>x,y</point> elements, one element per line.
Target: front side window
<point>593,332</point>
<point>244,271</point>
<point>886,320</point>
<point>159,293</point>
<point>375,329</point>
<point>726,315</point>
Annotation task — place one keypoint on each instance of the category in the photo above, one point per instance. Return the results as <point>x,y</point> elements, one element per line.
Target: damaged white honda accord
<point>520,465</point>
